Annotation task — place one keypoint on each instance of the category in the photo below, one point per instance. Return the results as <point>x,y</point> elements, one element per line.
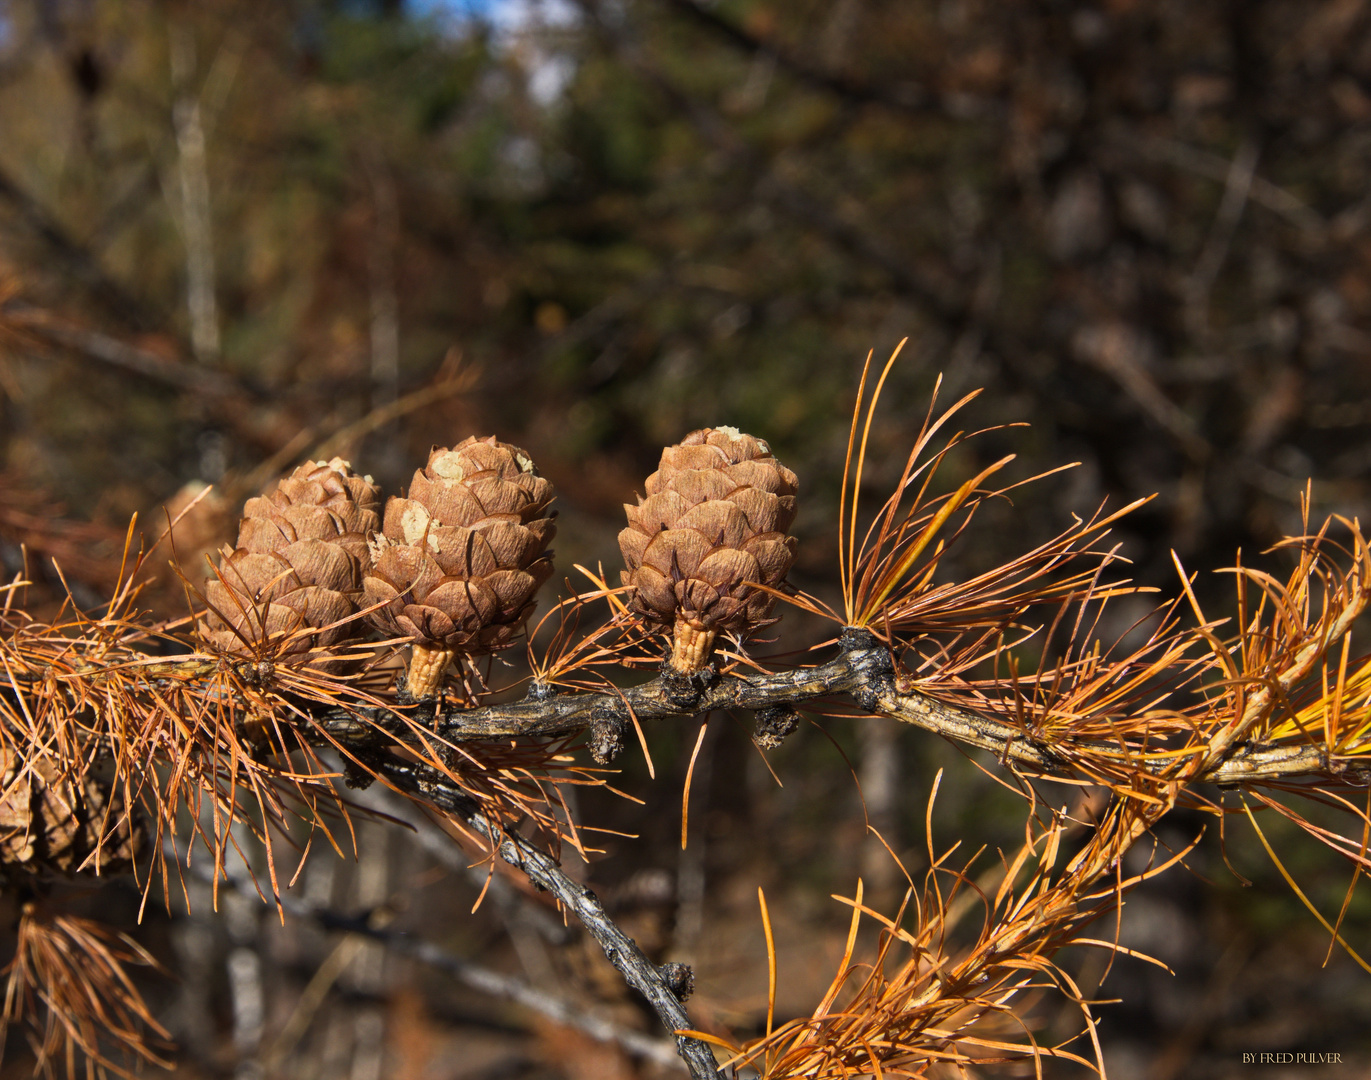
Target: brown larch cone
<point>460,559</point>
<point>298,565</point>
<point>712,526</point>
<point>48,824</point>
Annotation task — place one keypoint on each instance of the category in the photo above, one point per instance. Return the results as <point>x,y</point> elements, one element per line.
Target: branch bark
<point>863,673</point>
<point>621,950</point>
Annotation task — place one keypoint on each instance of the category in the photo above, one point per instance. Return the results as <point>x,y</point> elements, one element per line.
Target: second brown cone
<point>457,563</point>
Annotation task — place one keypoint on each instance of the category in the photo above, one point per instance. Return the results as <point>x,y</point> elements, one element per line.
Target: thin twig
<point>1237,188</point>
<point>108,350</point>
<point>620,949</point>
<point>518,908</point>
<point>906,96</point>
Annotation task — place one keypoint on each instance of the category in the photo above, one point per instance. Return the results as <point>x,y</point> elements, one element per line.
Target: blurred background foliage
<point>234,234</point>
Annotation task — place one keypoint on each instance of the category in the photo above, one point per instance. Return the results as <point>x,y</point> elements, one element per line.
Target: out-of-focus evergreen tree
<point>230,231</point>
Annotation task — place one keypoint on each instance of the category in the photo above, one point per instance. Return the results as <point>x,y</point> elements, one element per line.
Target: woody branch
<point>863,673</point>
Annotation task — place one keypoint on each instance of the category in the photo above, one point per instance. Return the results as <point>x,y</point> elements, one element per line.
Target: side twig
<point>622,951</point>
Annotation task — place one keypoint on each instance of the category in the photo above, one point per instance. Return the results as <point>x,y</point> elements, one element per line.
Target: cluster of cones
<point>454,566</point>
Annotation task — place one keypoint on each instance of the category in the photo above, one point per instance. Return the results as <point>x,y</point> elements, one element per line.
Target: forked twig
<point>620,949</point>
